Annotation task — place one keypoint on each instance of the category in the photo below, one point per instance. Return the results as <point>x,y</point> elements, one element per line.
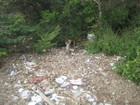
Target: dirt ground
<point>78,78</point>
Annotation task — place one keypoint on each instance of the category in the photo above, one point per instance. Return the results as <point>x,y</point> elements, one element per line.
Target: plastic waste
<point>61,79</point>
<point>12,73</point>
<point>37,79</point>
<point>75,87</point>
<point>36,98</point>
<point>76,82</point>
<point>31,103</point>
<point>56,98</point>
<point>49,90</point>
<point>25,94</point>
<point>65,84</point>
<point>20,90</point>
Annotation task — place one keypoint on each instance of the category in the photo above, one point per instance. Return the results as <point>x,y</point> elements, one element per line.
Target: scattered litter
<point>61,79</point>
<point>56,98</point>
<point>25,94</point>
<point>36,98</point>
<point>76,82</point>
<point>97,57</point>
<point>65,84</point>
<point>111,64</point>
<point>15,98</point>
<point>20,90</point>
<point>32,103</point>
<point>37,79</point>
<point>90,37</point>
<point>87,61</point>
<point>12,73</point>
<point>30,64</point>
<point>75,87</point>
<point>49,90</point>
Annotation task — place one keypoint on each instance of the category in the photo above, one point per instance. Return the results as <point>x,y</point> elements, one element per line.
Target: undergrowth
<point>126,46</point>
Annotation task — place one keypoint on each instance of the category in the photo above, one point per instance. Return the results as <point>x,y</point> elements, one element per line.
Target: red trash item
<point>37,79</point>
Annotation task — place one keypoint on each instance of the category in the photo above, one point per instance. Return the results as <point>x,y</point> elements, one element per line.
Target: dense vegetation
<point>40,24</point>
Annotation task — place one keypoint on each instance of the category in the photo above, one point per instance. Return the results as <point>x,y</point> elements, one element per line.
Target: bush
<point>125,45</point>
<point>45,40</point>
<point>2,52</point>
<point>131,68</point>
<point>119,14</point>
<point>110,43</point>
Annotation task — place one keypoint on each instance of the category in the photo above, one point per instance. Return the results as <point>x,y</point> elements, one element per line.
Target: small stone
<point>126,102</point>
<point>113,93</point>
<point>107,82</point>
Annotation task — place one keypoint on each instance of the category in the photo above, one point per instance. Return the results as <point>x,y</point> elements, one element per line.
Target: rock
<point>126,102</point>
<point>107,82</point>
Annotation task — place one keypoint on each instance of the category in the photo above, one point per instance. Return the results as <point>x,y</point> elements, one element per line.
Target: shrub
<point>13,32</point>
<point>2,52</point>
<point>93,47</point>
<point>131,68</point>
<point>45,40</point>
<point>125,45</point>
<point>110,43</point>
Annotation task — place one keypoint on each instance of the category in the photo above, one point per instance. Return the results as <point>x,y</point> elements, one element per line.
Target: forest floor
<point>78,78</point>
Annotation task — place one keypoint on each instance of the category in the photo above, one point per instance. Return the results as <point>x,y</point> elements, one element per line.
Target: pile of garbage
<point>38,86</point>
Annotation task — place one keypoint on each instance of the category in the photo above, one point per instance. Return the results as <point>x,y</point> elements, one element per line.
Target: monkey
<point>68,44</point>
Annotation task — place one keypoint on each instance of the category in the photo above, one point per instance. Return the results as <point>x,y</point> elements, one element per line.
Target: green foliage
<point>119,14</point>
<point>126,46</point>
<point>45,40</point>
<point>136,21</point>
<point>131,68</point>
<point>110,43</point>
<point>2,52</point>
<point>13,31</point>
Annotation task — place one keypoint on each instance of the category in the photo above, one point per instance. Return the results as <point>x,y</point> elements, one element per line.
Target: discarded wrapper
<point>61,79</point>
<point>37,79</point>
<point>76,82</point>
